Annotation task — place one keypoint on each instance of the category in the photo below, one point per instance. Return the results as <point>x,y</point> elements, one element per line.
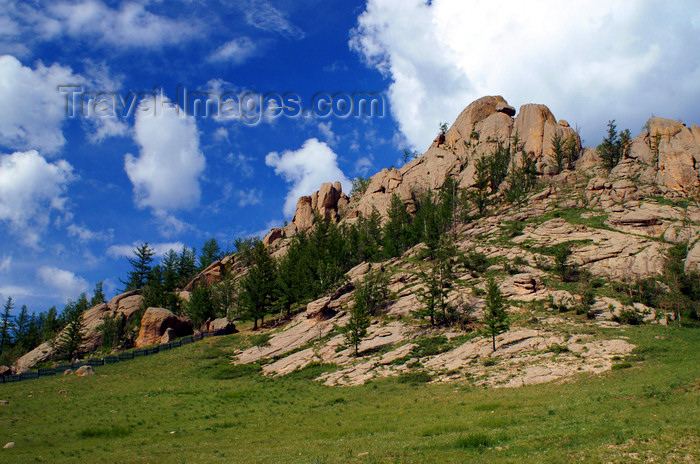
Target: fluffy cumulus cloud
<point>65,283</point>
<point>589,61</point>
<point>33,110</point>
<point>306,169</point>
<point>30,189</point>
<point>166,173</point>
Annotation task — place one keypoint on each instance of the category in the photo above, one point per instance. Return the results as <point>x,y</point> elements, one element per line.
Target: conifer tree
<point>6,325</point>
<point>140,267</point>
<point>257,290</point>
<point>21,327</point>
<point>614,146</point>
<point>98,296</point>
<point>495,314</point>
<point>396,235</point>
<point>211,252</point>
<point>73,334</point>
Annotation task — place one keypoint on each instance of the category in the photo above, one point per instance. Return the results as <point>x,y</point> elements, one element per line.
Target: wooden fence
<point>60,369</point>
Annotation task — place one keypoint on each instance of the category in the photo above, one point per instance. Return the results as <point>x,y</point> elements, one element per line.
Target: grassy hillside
<point>190,405</point>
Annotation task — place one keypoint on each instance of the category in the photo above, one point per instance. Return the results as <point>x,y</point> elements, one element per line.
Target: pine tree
<point>211,252</point>
<point>187,266</point>
<point>559,153</point>
<point>98,295</point>
<point>201,306</point>
<point>6,325</point>
<point>396,235</point>
<point>169,266</point>
<point>369,293</point>
<point>72,336</point>
<point>614,146</point>
<point>495,314</point>
<point>437,279</point>
<point>51,324</point>
<point>140,267</point>
<point>257,289</point>
<point>21,326</point>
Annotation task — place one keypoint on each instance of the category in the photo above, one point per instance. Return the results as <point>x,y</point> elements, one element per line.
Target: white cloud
<point>30,189</point>
<point>242,163</point>
<point>589,61</point>
<point>129,26</point>
<point>65,282</point>
<point>363,165</point>
<point>5,263</point>
<point>262,15</point>
<point>249,197</point>
<point>33,110</point>
<point>236,51</point>
<point>84,234</point>
<point>120,251</point>
<point>306,169</point>
<point>166,173</point>
<point>328,134</point>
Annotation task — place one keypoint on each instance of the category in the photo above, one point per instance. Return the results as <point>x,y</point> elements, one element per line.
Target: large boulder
<point>156,321</point>
<point>4,370</point>
<point>212,274</point>
<point>84,370</point>
<point>222,326</point>
<point>126,303</point>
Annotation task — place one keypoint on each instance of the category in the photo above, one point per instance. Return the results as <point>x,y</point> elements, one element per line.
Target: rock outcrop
<point>328,202</point>
<point>156,321</point>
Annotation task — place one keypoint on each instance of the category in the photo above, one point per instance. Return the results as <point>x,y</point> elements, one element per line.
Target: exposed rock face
<point>126,304</point>
<point>222,325</point>
<point>328,202</point>
<point>156,321</point>
<point>4,370</point>
<point>168,336</point>
<point>211,274</point>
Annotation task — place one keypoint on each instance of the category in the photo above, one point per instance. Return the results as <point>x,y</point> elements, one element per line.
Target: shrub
<point>629,316</point>
<point>415,377</point>
<point>475,262</point>
<point>430,346</point>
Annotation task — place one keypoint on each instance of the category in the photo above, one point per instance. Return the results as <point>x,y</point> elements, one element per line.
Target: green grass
<point>188,406</point>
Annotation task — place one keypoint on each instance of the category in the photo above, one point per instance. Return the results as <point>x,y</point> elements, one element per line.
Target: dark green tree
<point>369,293</point>
<point>437,277</point>
<point>397,234</point>
<point>140,267</point>
<point>6,325</point>
<point>112,331</point>
<point>211,252</point>
<point>21,327</point>
<point>51,324</point>
<point>614,146</point>
<point>496,320</point>
<point>98,296</point>
<point>187,266</point>
<point>559,154</point>
<point>257,288</point>
<point>71,338</point>
<point>170,266</point>
<point>521,179</point>
<point>201,305</point>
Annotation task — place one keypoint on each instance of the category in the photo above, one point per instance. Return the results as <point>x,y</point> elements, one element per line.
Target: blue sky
<point>77,193</point>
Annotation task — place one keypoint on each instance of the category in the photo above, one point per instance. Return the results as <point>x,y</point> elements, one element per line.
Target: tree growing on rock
<point>437,279</point>
<point>615,146</point>
<point>369,293</point>
<point>211,252</point>
<point>73,334</point>
<point>495,314</point>
<point>98,295</point>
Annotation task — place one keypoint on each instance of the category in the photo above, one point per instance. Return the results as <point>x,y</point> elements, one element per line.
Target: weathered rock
<point>156,321</point>
<point>68,372</point>
<point>524,286</point>
<point>222,326</point>
<point>9,445</point>
<point>84,370</point>
<point>168,336</point>
<point>4,370</point>
<point>212,274</point>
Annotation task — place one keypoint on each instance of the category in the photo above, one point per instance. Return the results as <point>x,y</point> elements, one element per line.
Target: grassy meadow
<point>191,406</point>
